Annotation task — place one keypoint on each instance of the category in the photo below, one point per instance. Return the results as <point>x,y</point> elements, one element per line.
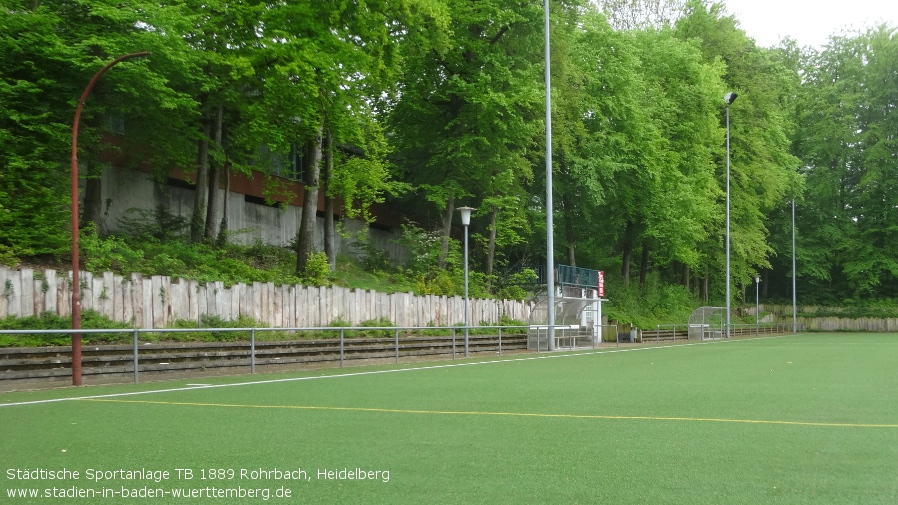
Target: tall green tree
<point>51,50</point>
<point>762,166</point>
<point>467,110</point>
<point>680,203</point>
<point>848,145</point>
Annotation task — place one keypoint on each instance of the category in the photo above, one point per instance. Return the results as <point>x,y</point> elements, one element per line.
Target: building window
<point>290,166</point>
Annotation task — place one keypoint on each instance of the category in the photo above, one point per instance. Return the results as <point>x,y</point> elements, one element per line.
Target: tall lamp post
<point>729,98</point>
<point>550,227</point>
<point>794,294</point>
<point>76,280</point>
<point>465,221</point>
<point>757,305</point>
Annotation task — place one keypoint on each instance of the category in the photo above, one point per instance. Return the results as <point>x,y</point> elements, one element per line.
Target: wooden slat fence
<point>157,301</point>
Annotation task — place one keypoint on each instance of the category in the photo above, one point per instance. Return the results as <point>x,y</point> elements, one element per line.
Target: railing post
<point>397,345</point>
<point>136,372</point>
<point>342,337</point>
<point>500,341</point>
<point>453,343</point>
<point>252,351</point>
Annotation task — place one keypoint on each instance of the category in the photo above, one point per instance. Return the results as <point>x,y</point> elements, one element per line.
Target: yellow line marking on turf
<point>506,414</point>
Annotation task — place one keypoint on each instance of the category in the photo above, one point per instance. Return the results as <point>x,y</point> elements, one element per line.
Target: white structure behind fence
<point>157,301</point>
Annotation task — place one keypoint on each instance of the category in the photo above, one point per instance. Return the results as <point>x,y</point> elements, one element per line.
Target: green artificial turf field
<point>799,419</point>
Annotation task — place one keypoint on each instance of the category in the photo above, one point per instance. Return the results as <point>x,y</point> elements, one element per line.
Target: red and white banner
<point>601,286</point>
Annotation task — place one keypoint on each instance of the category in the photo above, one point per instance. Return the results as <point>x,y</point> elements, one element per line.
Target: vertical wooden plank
<point>202,302</point>
<point>37,295</point>
<point>191,293</point>
<point>321,302</point>
<point>13,292</point>
<point>128,304</point>
<point>224,302</point>
<point>246,300</point>
<point>290,309</point>
<point>26,303</point>
<point>264,294</point>
<point>85,290</point>
<point>401,306</point>
<point>178,296</point>
<point>311,305</point>
<point>117,306</point>
<point>239,299</point>
<point>217,299</point>
<point>233,301</point>
<point>350,303</point>
<point>64,295</point>
<point>157,301</point>
<point>288,297</point>
<point>337,301</point>
<point>147,297</point>
<point>372,304</point>
<point>256,302</point>
<point>277,305</point>
<point>211,294</point>
<point>49,291</point>
<point>299,320</point>
<point>98,296</point>
<point>167,300</point>
<point>358,304</point>
<point>267,303</point>
<point>137,300</point>
<point>107,293</point>
<point>387,306</point>
<point>301,305</point>
<point>4,295</point>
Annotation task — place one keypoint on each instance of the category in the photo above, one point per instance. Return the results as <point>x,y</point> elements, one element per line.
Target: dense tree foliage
<point>434,104</point>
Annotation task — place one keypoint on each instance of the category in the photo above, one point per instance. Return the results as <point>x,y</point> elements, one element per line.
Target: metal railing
<point>681,331</point>
<point>415,340</point>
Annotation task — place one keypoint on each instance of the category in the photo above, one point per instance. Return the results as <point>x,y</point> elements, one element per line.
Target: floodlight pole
<point>76,280</point>
<point>465,221</point>
<point>550,245</point>
<point>794,294</point>
<point>729,98</point>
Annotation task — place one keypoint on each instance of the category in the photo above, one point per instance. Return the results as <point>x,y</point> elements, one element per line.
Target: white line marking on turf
<point>189,387</point>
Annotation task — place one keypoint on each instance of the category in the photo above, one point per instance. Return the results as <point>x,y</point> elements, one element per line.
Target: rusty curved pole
<point>76,280</point>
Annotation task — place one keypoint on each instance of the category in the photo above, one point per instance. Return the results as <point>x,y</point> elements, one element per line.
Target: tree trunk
<point>491,245</point>
<point>212,219</point>
<point>626,254</point>
<point>644,265</point>
<point>687,272</point>
<point>447,228</point>
<point>330,227</point>
<point>198,217</point>
<point>223,227</point>
<point>305,239</point>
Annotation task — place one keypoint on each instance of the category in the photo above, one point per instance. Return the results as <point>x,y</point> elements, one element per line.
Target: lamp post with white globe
<point>465,221</point>
<point>729,98</point>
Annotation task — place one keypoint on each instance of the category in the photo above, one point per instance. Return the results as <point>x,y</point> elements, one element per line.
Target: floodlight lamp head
<point>465,215</point>
<point>730,98</point>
